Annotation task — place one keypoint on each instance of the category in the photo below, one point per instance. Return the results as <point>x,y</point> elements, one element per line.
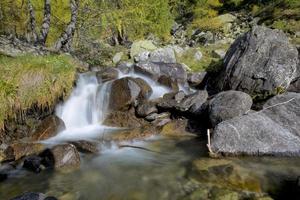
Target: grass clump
<point>28,80</point>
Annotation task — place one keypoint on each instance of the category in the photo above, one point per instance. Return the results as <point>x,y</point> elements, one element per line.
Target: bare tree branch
<point>65,40</point>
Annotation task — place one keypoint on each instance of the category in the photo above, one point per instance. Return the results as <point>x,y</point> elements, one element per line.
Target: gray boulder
<point>195,79</point>
<point>154,70</point>
<point>275,130</point>
<point>227,105</point>
<point>260,62</point>
<point>163,55</point>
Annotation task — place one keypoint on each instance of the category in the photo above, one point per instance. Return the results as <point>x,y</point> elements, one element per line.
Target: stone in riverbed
<point>125,119</point>
<point>63,156</point>
<point>33,196</point>
<point>48,128</point>
<point>33,163</point>
<point>19,150</point>
<point>168,82</point>
<point>227,105</point>
<point>260,62</point>
<point>195,79</point>
<point>273,131</point>
<point>146,108</point>
<point>86,146</point>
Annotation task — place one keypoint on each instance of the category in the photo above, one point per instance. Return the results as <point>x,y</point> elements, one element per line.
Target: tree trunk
<point>65,40</point>
<point>32,22</point>
<point>46,22</point>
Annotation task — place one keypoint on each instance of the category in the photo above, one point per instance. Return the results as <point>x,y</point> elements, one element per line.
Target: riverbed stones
<point>227,105</point>
<point>63,156</point>
<point>275,130</point>
<point>122,119</point>
<point>48,128</point>
<point>18,150</point>
<point>260,62</point>
<point>85,146</point>
<point>125,91</point>
<point>146,108</point>
<point>33,196</point>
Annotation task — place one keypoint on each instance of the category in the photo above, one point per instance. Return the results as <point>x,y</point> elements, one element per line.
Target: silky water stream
<point>175,168</point>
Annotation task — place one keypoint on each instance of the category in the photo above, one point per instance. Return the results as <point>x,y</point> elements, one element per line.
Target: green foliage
<point>14,17</point>
<point>30,79</point>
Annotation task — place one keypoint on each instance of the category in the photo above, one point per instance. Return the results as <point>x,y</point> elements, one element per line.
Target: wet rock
<point>86,146</point>
<point>146,108</point>
<point>125,91</point>
<point>195,79</point>
<point>154,70</point>
<point>227,105</point>
<point>107,74</point>
<point>33,196</point>
<point>33,163</point>
<point>48,128</point>
<point>260,62</point>
<point>123,119</point>
<point>63,156</point>
<point>134,134</point>
<point>19,150</point>
<point>168,82</point>
<point>271,131</point>
<point>161,122</point>
<point>176,128</point>
<point>155,116</point>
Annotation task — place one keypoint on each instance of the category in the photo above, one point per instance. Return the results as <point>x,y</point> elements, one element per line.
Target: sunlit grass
<point>30,79</point>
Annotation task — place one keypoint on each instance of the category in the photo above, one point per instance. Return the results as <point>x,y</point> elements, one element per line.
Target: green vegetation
<point>207,63</point>
<point>29,80</point>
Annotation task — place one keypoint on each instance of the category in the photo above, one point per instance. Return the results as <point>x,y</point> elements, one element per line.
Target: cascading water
<point>84,112</point>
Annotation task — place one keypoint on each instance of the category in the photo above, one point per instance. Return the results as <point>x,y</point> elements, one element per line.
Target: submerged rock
<point>33,196</point>
<point>261,62</point>
<point>48,128</point>
<point>227,105</point>
<point>275,130</point>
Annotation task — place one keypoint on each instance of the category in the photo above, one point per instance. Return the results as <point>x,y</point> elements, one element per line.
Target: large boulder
<point>48,128</point>
<point>261,62</point>
<point>275,130</point>
<point>125,91</point>
<point>155,70</point>
<point>227,105</point>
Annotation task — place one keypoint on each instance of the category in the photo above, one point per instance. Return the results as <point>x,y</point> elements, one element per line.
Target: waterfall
<point>85,110</point>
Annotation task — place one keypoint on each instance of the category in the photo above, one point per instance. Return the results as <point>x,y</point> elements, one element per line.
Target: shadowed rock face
<point>125,91</point>
<point>227,105</point>
<point>259,62</point>
<point>273,131</point>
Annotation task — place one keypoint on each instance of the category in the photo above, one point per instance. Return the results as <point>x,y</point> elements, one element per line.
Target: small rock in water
<point>155,116</point>
<point>33,163</point>
<point>86,146</point>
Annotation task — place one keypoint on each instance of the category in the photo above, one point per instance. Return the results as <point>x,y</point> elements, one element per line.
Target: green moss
<point>30,79</point>
<point>208,62</point>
